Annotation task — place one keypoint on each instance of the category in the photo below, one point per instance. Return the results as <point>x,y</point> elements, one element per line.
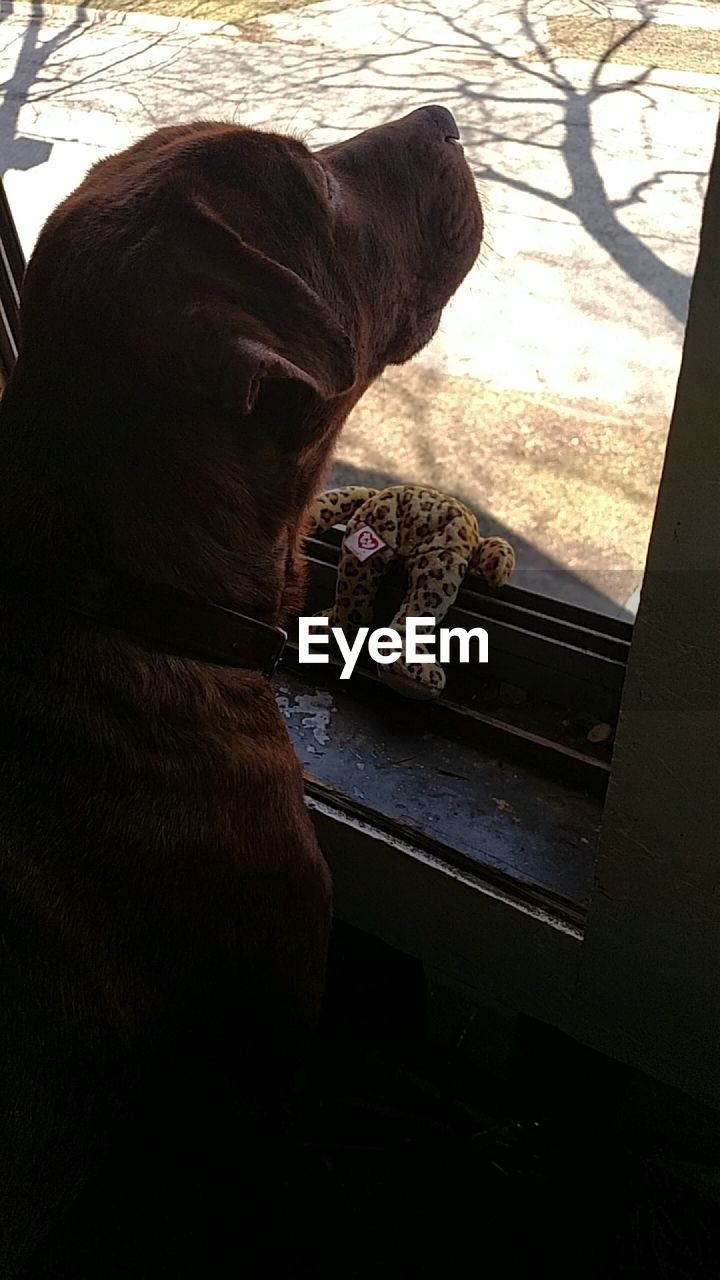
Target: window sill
<point>527,836</point>
<point>475,866</point>
<point>464,832</point>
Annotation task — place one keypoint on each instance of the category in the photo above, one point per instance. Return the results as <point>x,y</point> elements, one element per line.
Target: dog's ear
<point>244,318</point>
<point>316,352</point>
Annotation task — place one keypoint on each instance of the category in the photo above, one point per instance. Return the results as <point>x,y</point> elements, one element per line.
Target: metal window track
<point>564,664</point>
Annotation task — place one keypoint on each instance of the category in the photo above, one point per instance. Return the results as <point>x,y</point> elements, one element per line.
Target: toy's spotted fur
<point>435,538</point>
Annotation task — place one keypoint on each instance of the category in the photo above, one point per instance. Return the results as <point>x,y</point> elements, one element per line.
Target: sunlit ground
<point>230,11</point>
<point>578,482</point>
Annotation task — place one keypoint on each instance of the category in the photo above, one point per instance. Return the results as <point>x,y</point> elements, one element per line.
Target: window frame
<point>12,269</point>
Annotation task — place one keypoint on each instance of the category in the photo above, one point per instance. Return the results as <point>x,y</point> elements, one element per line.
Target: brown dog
<point>198,319</point>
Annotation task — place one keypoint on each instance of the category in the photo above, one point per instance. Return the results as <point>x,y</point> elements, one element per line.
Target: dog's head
<point>209,258</point>
<point>408,218</point>
<point>215,283</point>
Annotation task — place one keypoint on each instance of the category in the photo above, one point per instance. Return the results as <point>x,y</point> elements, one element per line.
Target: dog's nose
<point>441,119</point>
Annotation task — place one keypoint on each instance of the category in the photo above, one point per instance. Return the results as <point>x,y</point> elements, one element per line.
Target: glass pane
<point>544,399</point>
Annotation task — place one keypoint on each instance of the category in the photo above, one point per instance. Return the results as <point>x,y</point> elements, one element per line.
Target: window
<point>545,398</point>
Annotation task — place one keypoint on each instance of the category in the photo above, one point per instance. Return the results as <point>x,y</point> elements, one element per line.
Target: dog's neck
<point>214,514</point>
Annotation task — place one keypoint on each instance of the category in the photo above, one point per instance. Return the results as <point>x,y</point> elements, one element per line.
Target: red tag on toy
<point>364,542</point>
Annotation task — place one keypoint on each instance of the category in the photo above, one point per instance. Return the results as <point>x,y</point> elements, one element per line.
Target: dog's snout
<point>442,120</point>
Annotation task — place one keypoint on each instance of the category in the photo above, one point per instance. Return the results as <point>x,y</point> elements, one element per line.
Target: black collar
<point>170,619</point>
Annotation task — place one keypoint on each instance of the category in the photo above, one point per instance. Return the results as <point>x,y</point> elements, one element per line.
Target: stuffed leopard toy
<point>433,536</point>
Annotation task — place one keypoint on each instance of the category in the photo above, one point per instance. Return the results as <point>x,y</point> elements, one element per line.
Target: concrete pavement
<point>544,400</point>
